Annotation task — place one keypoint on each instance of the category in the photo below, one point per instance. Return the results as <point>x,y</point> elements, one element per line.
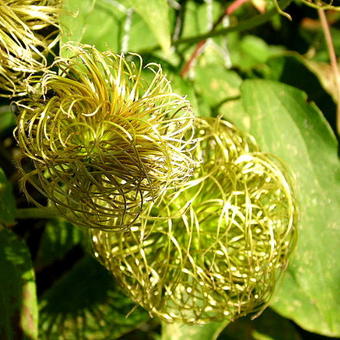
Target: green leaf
<point>86,304</point>
<point>269,326</point>
<point>249,52</point>
<point>7,201</point>
<point>18,302</point>
<point>200,16</point>
<point>234,111</point>
<point>73,19</point>
<point>179,331</point>
<point>104,24</point>
<point>182,87</point>
<point>156,15</point>
<point>58,238</point>
<point>7,118</point>
<point>256,48</point>
<point>286,125</point>
<point>285,69</point>
<point>215,83</point>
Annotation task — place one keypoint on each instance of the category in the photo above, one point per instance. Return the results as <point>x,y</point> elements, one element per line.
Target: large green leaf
<point>18,303</point>
<point>285,124</point>
<point>7,202</point>
<point>86,304</point>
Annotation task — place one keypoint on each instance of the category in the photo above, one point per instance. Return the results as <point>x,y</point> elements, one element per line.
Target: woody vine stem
<point>333,61</point>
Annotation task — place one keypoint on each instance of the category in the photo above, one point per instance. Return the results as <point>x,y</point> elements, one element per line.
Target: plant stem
<point>245,25</point>
<point>319,5</point>
<point>334,64</point>
<point>36,213</point>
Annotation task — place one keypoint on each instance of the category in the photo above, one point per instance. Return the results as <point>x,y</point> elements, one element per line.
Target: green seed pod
<point>28,33</point>
<point>102,140</point>
<point>215,248</point>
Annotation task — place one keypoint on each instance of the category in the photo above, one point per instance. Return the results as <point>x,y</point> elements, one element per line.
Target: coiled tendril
<point>28,32</point>
<point>102,140</point>
<point>215,248</point>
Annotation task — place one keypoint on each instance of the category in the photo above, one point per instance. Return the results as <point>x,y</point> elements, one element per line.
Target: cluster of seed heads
<point>192,219</point>
<point>214,248</point>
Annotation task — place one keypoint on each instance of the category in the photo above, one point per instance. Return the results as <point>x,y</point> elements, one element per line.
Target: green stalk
<point>242,26</point>
<point>36,213</point>
<point>333,61</point>
<point>180,331</point>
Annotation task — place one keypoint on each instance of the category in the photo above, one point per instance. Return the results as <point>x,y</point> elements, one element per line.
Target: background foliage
<point>273,80</point>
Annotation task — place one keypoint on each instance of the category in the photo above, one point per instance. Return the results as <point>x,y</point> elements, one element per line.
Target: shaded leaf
<point>18,302</point>
<point>86,304</point>
<point>285,69</point>
<point>180,331</point>
<point>326,76</point>
<point>7,118</point>
<point>285,124</point>
<point>7,201</point>
<point>269,326</point>
<point>58,238</point>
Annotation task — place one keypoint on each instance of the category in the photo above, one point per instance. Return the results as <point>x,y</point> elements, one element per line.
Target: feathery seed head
<point>102,140</point>
<point>28,32</point>
<point>215,248</point>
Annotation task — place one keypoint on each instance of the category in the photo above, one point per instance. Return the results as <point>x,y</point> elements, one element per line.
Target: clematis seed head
<point>29,30</point>
<point>102,136</point>
<point>215,248</point>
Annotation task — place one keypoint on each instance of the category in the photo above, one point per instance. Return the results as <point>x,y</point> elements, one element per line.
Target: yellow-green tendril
<point>102,140</point>
<point>328,4</point>
<point>214,249</point>
<point>28,32</point>
<point>322,4</point>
